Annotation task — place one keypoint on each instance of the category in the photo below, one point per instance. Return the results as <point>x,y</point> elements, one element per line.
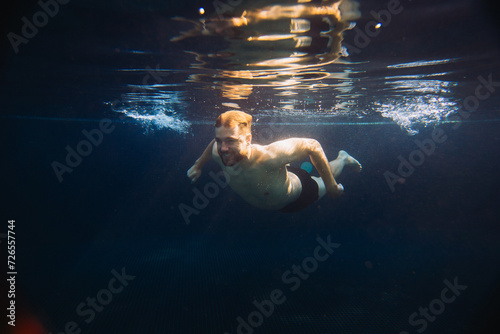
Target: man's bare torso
<point>258,183</point>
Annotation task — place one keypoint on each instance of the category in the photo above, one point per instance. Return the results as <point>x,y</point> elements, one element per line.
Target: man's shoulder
<point>262,155</point>
<point>259,150</point>
<point>215,155</point>
<point>272,148</point>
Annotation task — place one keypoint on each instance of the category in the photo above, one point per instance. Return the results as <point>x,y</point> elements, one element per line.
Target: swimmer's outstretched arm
<point>286,151</point>
<point>195,171</point>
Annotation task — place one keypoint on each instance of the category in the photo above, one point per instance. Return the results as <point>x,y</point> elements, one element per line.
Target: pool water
<point>105,106</point>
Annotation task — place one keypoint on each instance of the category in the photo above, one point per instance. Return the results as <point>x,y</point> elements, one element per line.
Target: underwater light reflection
<point>271,46</point>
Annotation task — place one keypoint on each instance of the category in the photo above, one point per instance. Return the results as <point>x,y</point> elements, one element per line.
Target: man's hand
<point>335,192</point>
<point>194,173</point>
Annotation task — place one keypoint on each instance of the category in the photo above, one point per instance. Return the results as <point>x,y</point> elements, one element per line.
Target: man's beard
<point>231,158</point>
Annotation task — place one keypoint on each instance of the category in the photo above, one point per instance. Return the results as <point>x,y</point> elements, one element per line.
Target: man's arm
<point>195,171</point>
<point>294,149</point>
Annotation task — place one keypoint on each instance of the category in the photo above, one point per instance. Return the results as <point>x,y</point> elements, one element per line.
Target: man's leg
<point>336,166</point>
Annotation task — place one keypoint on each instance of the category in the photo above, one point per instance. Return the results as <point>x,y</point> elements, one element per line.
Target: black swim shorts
<point>309,193</point>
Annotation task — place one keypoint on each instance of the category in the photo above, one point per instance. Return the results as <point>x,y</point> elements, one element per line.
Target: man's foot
<point>350,161</point>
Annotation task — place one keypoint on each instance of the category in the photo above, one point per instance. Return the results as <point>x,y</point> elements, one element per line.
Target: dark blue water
<point>102,245</point>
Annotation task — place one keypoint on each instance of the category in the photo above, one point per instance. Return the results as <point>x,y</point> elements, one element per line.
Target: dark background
<point>119,207</point>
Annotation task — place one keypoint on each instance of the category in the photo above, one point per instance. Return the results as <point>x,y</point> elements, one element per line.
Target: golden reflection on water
<point>284,46</point>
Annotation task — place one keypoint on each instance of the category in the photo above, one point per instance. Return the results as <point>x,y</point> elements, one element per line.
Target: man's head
<point>233,136</point>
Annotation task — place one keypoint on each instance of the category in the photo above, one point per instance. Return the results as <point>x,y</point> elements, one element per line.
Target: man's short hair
<point>234,118</point>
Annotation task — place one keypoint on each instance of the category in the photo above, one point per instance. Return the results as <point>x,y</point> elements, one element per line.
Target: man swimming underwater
<point>261,174</point>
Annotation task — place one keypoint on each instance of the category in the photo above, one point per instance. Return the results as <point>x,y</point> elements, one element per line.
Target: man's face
<point>231,144</point>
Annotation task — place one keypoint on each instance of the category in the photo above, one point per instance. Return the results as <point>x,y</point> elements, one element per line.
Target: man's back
<point>260,183</point>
